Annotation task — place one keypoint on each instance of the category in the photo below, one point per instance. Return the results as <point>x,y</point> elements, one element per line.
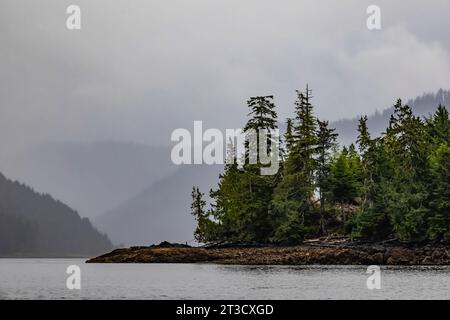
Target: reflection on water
<point>46,279</point>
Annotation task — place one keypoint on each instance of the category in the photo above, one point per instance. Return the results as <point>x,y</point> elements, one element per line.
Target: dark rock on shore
<point>295,255</point>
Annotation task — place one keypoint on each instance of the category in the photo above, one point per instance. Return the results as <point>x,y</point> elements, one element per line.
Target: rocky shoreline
<point>305,254</point>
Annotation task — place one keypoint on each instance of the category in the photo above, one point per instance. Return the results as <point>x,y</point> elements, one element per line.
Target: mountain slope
<point>93,177</point>
<point>36,224</point>
<point>160,212</point>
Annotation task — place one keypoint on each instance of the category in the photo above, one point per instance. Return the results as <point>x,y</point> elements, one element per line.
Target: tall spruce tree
<point>407,145</point>
<point>241,201</point>
<point>326,145</point>
<point>372,220</point>
<point>262,117</point>
<point>257,189</point>
<point>355,166</point>
<point>439,197</point>
<point>305,135</point>
<point>293,208</point>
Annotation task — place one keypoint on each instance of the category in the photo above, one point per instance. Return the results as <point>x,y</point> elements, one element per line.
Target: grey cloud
<point>139,69</point>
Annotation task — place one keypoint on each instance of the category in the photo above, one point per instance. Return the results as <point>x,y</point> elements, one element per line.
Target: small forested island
<point>382,200</point>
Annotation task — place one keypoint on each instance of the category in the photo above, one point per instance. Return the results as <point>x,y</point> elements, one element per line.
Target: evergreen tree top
<point>262,113</point>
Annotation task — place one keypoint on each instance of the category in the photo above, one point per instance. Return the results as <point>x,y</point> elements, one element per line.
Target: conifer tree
<point>366,149</point>
<point>343,187</point>
<point>407,147</point>
<point>439,199</point>
<point>262,117</point>
<point>371,221</point>
<point>305,135</point>
<point>326,145</point>
<point>226,206</point>
<point>257,189</point>
<point>198,211</point>
<point>439,126</point>
<point>354,163</point>
<point>289,135</point>
<point>293,208</point>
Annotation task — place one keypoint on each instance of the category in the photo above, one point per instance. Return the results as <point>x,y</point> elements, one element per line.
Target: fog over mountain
<point>91,177</point>
<point>160,212</point>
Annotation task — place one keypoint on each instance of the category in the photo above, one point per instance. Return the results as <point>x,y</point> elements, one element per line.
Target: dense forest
<point>390,186</point>
<point>36,224</point>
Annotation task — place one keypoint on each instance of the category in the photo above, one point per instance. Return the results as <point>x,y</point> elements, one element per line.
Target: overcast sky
<point>139,69</point>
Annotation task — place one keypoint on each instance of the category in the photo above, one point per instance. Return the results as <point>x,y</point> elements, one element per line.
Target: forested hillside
<point>390,186</point>
<point>36,224</point>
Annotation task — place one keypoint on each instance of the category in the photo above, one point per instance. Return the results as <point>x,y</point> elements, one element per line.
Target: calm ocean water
<point>46,279</point>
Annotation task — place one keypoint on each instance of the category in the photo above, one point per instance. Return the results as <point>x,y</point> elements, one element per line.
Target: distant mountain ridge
<point>34,224</point>
<point>423,105</point>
